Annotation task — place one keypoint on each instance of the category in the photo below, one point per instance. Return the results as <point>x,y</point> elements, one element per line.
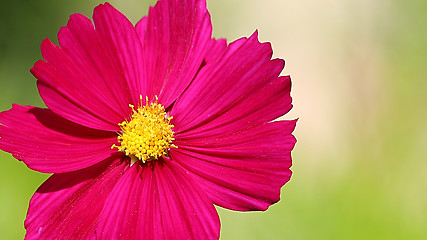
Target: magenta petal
<point>242,171</point>
<point>158,200</point>
<point>229,88</point>
<point>176,37</point>
<point>72,111</point>
<point>96,73</point>
<point>215,50</point>
<point>67,205</point>
<point>119,35</point>
<point>140,27</point>
<point>49,143</point>
<point>264,105</point>
<point>81,42</point>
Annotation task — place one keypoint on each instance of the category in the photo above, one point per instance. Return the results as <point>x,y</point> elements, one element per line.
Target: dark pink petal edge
<point>158,200</point>
<point>243,171</point>
<point>96,73</point>
<point>224,92</point>
<point>49,143</point>
<point>175,38</point>
<point>67,205</point>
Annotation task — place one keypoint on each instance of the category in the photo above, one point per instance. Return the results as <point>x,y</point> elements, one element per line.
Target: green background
<point>359,86</point>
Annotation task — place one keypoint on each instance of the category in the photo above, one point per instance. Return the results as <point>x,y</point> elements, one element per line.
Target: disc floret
<point>148,135</point>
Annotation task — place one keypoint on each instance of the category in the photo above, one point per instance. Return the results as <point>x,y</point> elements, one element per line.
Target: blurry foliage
<point>23,26</point>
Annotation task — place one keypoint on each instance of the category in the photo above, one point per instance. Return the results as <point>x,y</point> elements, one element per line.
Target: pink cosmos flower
<point>149,126</point>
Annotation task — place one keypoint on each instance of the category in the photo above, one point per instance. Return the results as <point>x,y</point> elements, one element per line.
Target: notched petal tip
<point>104,5</point>
<point>47,48</point>
<point>106,8</point>
<point>34,70</point>
<point>78,19</point>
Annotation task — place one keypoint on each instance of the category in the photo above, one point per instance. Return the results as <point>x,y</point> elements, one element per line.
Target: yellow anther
<point>148,135</point>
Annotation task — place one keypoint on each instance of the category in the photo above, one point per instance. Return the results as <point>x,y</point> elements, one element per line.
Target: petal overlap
<point>158,201</point>
<point>68,205</point>
<point>97,71</point>
<point>264,105</point>
<point>175,37</point>
<point>229,87</point>
<point>49,143</point>
<point>242,171</point>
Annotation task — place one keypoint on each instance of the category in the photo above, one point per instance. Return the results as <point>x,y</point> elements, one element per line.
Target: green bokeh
<point>382,195</point>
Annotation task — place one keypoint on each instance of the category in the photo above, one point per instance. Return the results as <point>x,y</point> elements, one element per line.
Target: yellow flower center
<point>148,135</point>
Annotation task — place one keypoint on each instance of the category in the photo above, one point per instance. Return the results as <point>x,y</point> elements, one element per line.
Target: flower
<point>149,126</point>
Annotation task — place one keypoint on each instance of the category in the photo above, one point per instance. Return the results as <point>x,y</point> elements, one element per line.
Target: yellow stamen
<point>148,135</point>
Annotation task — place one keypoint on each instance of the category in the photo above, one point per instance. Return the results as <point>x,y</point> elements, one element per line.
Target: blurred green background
<point>359,86</point>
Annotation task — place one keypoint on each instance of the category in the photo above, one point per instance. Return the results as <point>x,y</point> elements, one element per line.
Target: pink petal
<point>70,110</point>
<point>158,201</point>
<point>81,42</point>
<point>119,35</point>
<point>241,171</point>
<point>97,72</point>
<point>140,28</point>
<point>49,143</point>
<point>175,38</point>
<point>215,50</point>
<point>264,105</point>
<point>67,205</point>
<point>230,87</point>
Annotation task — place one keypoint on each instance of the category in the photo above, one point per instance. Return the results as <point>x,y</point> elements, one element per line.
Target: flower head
<point>148,126</point>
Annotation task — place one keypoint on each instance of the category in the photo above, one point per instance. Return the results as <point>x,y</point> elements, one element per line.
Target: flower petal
<point>49,143</point>
<point>140,27</point>
<point>230,87</point>
<point>175,35</point>
<point>264,105</point>
<point>70,110</point>
<point>96,73</point>
<point>158,200</point>
<point>215,50</point>
<point>242,171</point>
<point>120,36</point>
<point>67,205</point>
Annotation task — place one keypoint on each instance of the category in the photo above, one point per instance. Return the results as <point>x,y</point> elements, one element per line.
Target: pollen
<point>148,135</point>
